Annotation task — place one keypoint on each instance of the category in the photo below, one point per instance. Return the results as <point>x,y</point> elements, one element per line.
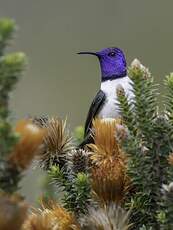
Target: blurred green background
<point>59,82</point>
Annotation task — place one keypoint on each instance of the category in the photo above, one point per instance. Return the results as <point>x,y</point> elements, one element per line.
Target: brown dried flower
<point>13,212</point>
<point>109,179</point>
<point>57,143</point>
<point>53,218</point>
<point>31,138</point>
<point>105,144</point>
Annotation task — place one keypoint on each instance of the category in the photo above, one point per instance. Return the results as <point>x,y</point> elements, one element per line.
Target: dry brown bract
<point>53,218</point>
<point>13,212</point>
<point>109,179</point>
<point>31,137</point>
<point>57,142</point>
<point>105,143</point>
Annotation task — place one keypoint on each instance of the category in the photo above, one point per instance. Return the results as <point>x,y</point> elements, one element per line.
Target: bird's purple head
<point>112,63</point>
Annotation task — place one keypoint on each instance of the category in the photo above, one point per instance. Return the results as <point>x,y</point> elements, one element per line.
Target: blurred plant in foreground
<point>19,145</point>
<point>53,217</point>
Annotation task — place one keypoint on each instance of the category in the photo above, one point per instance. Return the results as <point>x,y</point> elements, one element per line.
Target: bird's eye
<point>111,54</point>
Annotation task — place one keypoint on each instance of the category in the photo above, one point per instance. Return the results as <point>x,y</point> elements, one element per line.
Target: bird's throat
<point>113,76</point>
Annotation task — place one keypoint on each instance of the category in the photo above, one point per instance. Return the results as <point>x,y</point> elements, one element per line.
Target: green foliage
<point>144,105</point>
<point>79,134</point>
<point>149,143</point>
<point>9,177</point>
<point>168,97</point>
<point>11,67</point>
<point>126,111</point>
<point>77,196</point>
<point>57,175</point>
<point>46,188</point>
<point>7,28</point>
<point>8,138</point>
<point>76,189</point>
<point>165,216</point>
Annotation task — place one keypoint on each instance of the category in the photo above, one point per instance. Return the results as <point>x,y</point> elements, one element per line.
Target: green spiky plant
<point>11,67</point>
<point>149,144</point>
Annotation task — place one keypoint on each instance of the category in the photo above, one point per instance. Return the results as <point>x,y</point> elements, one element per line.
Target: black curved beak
<point>90,53</point>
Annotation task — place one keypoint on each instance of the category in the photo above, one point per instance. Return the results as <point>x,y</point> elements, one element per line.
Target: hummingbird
<point>113,75</point>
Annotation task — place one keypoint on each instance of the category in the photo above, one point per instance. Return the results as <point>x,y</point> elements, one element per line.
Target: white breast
<point>110,108</point>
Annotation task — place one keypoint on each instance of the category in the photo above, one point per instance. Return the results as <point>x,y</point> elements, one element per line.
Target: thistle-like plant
<point>57,142</point>
<point>108,171</point>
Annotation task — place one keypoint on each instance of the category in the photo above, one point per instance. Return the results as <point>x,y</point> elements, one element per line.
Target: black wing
<point>93,110</point>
